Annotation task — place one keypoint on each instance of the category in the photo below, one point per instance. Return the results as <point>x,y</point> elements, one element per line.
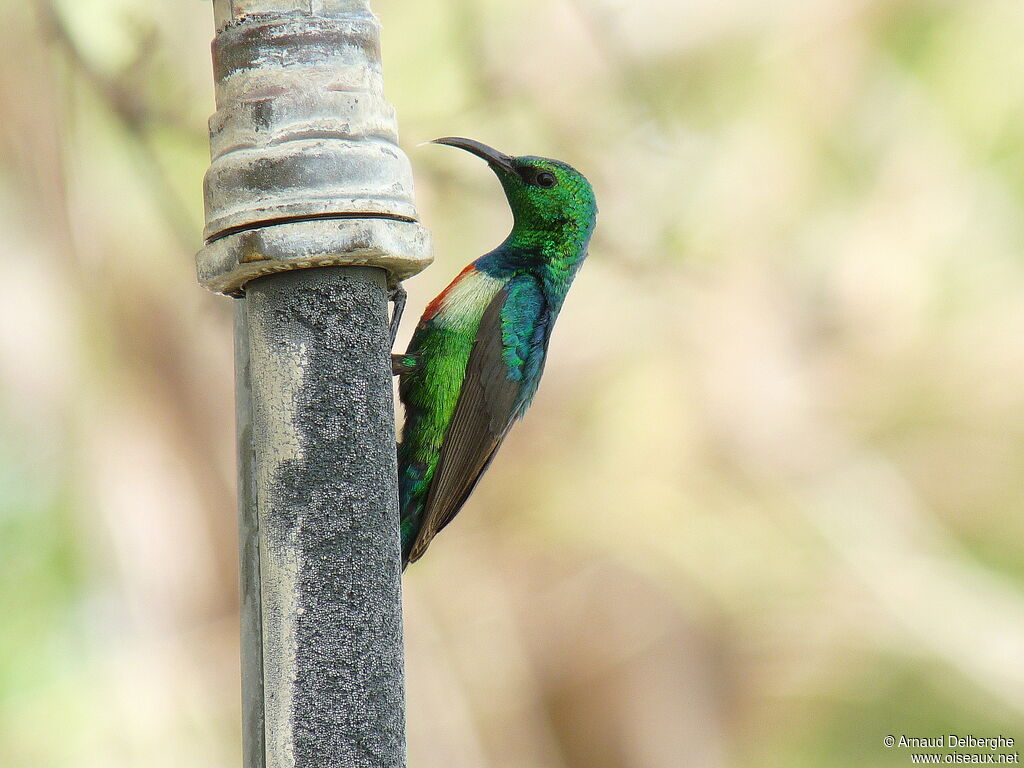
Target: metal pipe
<point>329,574</point>
<point>310,221</point>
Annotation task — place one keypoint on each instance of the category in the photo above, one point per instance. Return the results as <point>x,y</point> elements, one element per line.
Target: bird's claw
<point>397,296</point>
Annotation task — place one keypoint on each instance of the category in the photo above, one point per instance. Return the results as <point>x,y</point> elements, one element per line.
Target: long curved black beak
<point>494,158</point>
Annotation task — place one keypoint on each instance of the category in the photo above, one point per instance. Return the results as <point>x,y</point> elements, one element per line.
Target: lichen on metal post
<point>310,220</point>
<point>328,545</point>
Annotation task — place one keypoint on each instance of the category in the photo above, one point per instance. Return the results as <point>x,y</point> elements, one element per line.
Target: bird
<point>476,357</point>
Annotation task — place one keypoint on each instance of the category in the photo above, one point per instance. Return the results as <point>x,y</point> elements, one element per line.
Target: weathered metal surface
<point>303,131</point>
<point>253,747</point>
<point>305,174</point>
<point>323,485</point>
<point>228,11</point>
<point>269,186</point>
<point>231,262</point>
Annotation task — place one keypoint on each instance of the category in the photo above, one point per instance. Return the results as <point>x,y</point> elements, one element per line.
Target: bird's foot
<point>397,296</point>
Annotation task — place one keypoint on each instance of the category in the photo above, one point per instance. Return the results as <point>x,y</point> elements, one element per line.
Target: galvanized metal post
<point>310,220</point>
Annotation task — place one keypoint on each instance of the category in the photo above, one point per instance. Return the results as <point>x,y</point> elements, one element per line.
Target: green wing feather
<point>482,417</point>
<point>500,379</point>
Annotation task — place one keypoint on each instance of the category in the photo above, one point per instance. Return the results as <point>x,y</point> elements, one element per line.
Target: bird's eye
<point>545,179</point>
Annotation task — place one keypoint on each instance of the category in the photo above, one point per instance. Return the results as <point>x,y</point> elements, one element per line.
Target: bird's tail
<point>408,533</point>
<point>410,511</point>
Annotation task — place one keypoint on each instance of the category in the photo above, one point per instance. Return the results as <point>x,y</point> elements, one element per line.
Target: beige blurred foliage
<point>766,508</point>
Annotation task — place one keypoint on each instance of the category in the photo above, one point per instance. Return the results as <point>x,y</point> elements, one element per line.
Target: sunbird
<point>476,357</point>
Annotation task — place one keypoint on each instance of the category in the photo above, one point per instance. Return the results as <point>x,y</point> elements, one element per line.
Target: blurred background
<point>767,506</point>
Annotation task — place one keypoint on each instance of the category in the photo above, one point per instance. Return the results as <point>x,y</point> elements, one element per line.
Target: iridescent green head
<point>545,195</point>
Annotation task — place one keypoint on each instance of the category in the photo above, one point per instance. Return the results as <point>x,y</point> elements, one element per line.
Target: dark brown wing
<point>483,415</point>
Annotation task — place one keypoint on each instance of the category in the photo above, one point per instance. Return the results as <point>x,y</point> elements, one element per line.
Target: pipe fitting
<point>305,170</point>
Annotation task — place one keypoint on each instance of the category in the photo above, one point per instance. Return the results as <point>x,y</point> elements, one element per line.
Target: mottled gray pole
<point>310,221</point>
